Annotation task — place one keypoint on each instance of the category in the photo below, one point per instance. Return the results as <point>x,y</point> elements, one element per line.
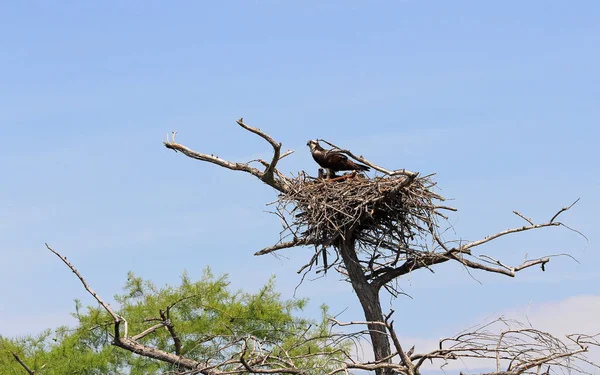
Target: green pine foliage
<point>209,319</point>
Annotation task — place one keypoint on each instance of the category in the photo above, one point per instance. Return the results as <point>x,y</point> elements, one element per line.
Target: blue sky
<point>500,99</point>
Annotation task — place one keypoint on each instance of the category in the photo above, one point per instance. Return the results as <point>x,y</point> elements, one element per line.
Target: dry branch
<point>23,364</point>
<point>285,245</point>
<point>270,176</point>
<point>166,320</point>
<point>508,345</point>
<point>116,318</point>
<point>148,331</point>
<point>268,173</point>
<point>516,348</point>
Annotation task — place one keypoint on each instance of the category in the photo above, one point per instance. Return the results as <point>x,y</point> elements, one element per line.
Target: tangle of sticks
<point>389,216</point>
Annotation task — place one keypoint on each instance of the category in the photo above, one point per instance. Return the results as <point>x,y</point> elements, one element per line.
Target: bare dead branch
<point>285,245</point>
<point>288,152</point>
<point>344,324</point>
<point>404,357</point>
<point>18,359</point>
<point>116,318</point>
<point>504,270</point>
<point>460,254</point>
<point>271,176</point>
<point>148,331</point>
<point>504,233</point>
<point>514,348</point>
<point>523,217</point>
<point>268,173</point>
<point>213,159</point>
<point>166,317</point>
<point>563,210</point>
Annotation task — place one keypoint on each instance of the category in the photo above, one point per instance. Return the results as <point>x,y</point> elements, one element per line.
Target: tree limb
<point>149,331</point>
<point>18,359</point>
<point>523,217</point>
<point>387,274</point>
<point>426,259</point>
<point>563,210</point>
<point>271,176</point>
<point>268,173</point>
<point>508,231</point>
<point>285,245</point>
<point>116,318</point>
<point>403,356</point>
<point>505,270</point>
<point>166,317</point>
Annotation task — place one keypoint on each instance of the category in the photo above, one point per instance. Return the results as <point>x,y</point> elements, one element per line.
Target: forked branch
<point>268,173</point>
<point>463,254</point>
<point>271,176</point>
<point>506,345</point>
<point>514,349</point>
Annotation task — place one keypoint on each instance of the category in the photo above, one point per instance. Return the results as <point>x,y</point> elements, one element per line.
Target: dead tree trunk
<point>368,295</point>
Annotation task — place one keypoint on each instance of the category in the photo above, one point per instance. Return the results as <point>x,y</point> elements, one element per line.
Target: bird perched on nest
<point>333,161</point>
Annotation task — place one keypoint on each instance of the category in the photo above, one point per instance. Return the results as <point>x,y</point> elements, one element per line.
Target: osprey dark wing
<point>333,161</point>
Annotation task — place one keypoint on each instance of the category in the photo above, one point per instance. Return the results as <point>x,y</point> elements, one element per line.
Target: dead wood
<point>270,175</point>
<point>23,364</point>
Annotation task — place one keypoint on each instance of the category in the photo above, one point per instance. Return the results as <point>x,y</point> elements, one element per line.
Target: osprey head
<point>312,144</point>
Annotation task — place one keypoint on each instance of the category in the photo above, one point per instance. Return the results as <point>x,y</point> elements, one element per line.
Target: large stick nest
<point>390,212</point>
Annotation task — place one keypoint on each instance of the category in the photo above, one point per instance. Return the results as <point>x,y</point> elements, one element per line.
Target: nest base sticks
<point>389,212</point>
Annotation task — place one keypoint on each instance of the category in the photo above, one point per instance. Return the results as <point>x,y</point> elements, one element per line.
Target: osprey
<point>333,161</point>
